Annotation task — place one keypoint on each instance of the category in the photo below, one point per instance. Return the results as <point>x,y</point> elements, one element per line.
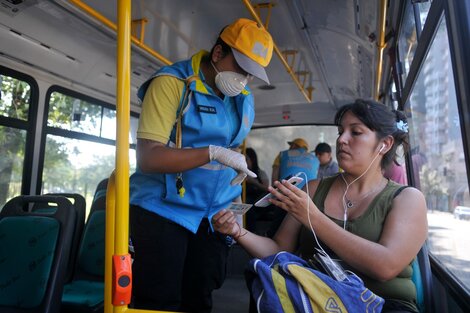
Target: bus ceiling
<point>327,54</point>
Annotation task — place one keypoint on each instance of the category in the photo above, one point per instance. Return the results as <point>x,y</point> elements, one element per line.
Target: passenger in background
<point>396,172</point>
<point>195,113</point>
<point>328,166</point>
<point>375,226</point>
<point>288,163</point>
<point>294,160</point>
<point>256,187</point>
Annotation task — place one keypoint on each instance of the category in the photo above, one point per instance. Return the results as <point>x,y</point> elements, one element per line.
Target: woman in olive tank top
<point>375,226</point>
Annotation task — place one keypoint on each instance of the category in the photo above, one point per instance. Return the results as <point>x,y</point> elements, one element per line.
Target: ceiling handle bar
<point>265,5</point>
<point>287,54</point>
<point>136,23</point>
<point>380,45</point>
<point>278,52</point>
<point>87,9</point>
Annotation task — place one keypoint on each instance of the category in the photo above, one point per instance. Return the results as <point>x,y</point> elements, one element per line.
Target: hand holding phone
<point>264,202</point>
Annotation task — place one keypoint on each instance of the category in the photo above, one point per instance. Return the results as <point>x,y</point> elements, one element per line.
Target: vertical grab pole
<point>121,234</point>
<point>109,241</point>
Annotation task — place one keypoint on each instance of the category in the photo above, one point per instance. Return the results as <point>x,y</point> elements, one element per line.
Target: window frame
<point>29,125</point>
<point>50,130</point>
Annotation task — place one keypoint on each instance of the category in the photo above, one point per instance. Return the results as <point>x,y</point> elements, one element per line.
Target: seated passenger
<point>256,187</point>
<point>396,172</point>
<point>375,226</point>
<point>328,166</point>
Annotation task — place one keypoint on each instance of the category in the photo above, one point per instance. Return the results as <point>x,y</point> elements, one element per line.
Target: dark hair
<point>381,119</point>
<point>323,147</point>
<point>225,47</point>
<point>250,152</point>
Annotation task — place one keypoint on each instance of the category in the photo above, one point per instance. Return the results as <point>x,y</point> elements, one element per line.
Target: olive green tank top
<point>369,226</point>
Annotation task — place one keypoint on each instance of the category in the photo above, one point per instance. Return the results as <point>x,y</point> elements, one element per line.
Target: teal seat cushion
<point>27,248</point>
<point>91,255</point>
<point>81,293</point>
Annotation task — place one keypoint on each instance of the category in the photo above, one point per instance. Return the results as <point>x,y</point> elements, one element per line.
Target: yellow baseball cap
<point>299,142</point>
<point>251,44</point>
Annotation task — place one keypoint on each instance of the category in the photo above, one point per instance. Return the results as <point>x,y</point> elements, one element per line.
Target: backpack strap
<point>179,132</point>
<point>183,104</point>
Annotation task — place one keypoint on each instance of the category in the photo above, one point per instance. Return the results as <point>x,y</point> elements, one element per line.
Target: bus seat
<point>422,278</point>
<point>34,253</point>
<point>85,293</point>
<point>79,206</point>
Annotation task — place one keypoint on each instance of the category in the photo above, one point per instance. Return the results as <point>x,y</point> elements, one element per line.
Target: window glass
<point>109,124</point>
<point>423,11</point>
<point>77,166</point>
<point>134,123</point>
<point>438,158</point>
<point>407,40</point>
<point>14,98</point>
<point>74,114</point>
<point>13,142</point>
<point>268,143</point>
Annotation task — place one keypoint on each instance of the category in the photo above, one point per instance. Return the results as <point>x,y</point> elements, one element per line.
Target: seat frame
<point>20,206</point>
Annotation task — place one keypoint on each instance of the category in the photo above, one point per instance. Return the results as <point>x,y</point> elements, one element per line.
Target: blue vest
<point>294,161</point>
<point>204,122</point>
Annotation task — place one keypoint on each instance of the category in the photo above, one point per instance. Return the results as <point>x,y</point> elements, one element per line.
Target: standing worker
<point>194,113</point>
<point>288,163</point>
<point>294,160</point>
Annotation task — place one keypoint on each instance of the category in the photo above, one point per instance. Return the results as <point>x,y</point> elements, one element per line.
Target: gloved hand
<point>232,159</point>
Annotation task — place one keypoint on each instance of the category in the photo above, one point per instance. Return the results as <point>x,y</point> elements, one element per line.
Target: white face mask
<point>230,83</point>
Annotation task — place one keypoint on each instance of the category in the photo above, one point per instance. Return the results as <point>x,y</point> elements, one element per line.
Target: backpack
<point>285,283</point>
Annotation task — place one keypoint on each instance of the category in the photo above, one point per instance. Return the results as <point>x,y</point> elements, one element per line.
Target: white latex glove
<point>232,159</point>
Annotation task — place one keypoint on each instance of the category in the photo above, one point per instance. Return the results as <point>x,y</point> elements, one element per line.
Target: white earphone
<point>383,147</point>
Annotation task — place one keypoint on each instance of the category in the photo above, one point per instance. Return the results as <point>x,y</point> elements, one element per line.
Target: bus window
<point>77,166</point>
<point>407,40</point>
<point>109,124</point>
<point>15,98</point>
<point>71,113</point>
<point>438,157</point>
<point>80,144</point>
<point>423,8</point>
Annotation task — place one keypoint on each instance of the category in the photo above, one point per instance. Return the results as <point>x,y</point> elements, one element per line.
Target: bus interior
<point>64,128</point>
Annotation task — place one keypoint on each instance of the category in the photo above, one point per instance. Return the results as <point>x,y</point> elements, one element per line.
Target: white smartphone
<point>263,202</point>
<point>239,208</point>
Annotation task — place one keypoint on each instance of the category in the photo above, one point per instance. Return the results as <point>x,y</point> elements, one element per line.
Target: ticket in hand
<point>239,208</point>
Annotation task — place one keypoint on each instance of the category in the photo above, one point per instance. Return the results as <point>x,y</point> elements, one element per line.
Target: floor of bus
<point>233,296</point>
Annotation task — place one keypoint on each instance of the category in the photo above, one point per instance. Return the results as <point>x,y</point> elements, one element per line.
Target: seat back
<point>34,249</point>
<point>85,293</point>
<point>90,259</point>
<point>422,278</point>
<point>79,206</point>
<point>99,199</point>
<point>90,262</point>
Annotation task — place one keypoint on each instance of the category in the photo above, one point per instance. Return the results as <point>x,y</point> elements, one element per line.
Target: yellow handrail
<point>109,241</point>
<point>86,8</point>
<point>278,52</point>
<point>380,45</point>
